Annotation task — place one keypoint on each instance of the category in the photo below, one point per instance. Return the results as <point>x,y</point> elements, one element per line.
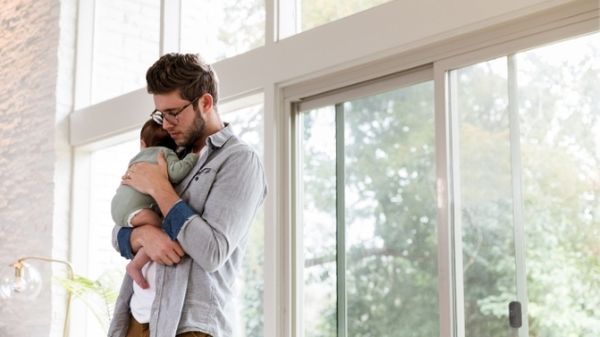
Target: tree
<point>391,277</point>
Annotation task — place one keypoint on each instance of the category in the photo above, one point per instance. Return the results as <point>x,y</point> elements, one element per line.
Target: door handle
<point>514,314</point>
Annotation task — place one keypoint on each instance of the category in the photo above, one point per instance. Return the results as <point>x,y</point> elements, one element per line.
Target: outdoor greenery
<point>391,282</point>
<point>389,207</point>
<point>98,295</point>
<point>559,100</point>
<point>389,210</point>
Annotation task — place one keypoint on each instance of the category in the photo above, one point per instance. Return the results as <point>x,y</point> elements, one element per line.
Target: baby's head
<point>153,134</point>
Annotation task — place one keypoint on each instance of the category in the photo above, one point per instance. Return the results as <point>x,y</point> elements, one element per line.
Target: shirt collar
<point>218,139</point>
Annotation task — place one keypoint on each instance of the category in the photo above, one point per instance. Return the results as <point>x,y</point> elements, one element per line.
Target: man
<point>197,253</point>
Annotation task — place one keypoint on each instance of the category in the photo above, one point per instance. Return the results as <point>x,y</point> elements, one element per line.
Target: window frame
<point>563,28</point>
<point>454,41</point>
<point>551,26</point>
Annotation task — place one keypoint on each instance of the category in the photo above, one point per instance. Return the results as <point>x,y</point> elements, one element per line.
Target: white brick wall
<point>35,97</point>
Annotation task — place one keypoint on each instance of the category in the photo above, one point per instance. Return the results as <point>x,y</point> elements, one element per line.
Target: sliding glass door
<point>485,197</point>
<point>559,109</point>
<point>523,141</point>
<point>367,213</point>
<point>527,171</point>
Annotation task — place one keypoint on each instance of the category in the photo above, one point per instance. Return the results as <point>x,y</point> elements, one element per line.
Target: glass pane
<point>318,213</point>
<point>126,43</point>
<point>218,29</point>
<point>391,275</point>
<point>318,12</point>
<point>248,124</point>
<point>107,168</point>
<point>559,101</point>
<point>104,263</point>
<point>486,197</point>
<point>390,228</point>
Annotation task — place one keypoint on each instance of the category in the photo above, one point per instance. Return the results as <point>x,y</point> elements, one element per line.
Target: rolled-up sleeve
<point>122,241</point>
<point>176,218</point>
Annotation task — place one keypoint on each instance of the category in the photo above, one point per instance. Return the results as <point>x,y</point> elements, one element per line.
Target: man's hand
<point>144,177</point>
<point>152,179</point>
<point>157,244</point>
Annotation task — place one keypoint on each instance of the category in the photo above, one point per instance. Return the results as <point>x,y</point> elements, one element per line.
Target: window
<point>367,213</point>
<point>125,44</point>
<point>529,161</point>
<point>559,113</point>
<point>314,13</point>
<point>221,29</point>
<point>99,172</point>
<point>319,296</point>
<point>247,123</point>
<point>104,167</point>
<point>487,199</point>
<point>351,222</point>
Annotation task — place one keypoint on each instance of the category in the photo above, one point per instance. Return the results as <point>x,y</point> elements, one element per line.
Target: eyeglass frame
<point>159,116</point>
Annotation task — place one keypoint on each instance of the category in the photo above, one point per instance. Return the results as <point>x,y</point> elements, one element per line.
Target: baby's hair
<point>154,135</point>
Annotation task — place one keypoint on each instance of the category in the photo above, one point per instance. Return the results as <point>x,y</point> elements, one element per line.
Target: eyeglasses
<point>170,116</point>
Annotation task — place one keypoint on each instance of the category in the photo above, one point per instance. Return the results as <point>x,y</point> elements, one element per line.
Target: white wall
<point>34,151</point>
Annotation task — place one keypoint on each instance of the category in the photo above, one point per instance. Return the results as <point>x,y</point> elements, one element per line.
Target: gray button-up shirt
<point>219,200</point>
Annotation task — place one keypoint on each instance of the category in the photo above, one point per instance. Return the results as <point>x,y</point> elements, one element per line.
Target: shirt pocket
<point>199,188</point>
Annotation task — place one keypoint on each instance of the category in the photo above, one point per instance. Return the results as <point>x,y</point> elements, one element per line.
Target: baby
<point>132,208</point>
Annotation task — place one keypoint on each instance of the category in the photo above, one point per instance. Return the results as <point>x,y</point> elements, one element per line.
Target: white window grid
<point>285,73</point>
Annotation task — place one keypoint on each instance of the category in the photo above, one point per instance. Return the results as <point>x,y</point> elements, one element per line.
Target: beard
<point>195,132</point>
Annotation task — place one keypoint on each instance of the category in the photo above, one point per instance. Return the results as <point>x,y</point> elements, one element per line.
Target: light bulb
<point>27,283</point>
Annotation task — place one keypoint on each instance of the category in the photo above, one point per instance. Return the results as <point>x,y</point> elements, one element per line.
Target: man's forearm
<point>156,243</point>
<point>165,196</point>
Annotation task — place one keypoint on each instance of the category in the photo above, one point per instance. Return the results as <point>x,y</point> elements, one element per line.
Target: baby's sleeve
<point>179,169</point>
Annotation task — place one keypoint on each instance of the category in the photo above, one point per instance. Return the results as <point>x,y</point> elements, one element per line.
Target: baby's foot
<point>136,274</point>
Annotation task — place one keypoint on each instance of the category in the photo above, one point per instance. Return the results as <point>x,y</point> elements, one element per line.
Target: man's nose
<point>166,124</point>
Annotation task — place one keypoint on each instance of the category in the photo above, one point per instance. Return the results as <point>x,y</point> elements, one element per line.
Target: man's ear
<point>206,102</point>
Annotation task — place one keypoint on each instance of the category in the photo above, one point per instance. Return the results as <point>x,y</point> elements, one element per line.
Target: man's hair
<point>186,73</point>
<point>154,135</point>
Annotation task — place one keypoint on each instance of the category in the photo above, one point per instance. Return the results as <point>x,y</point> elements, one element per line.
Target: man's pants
<point>141,330</point>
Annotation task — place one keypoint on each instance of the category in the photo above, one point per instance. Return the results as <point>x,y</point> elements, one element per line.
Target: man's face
<point>189,126</point>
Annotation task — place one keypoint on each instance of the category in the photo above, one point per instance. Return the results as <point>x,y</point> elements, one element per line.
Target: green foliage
<point>391,272</point>
<point>390,163</point>
<point>98,295</point>
<point>390,189</point>
<point>561,160</point>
